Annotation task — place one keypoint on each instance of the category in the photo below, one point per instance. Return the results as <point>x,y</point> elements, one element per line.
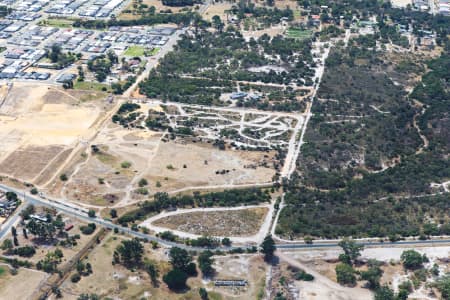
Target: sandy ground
<point>401,3</point>
<point>22,285</point>
<point>258,237</point>
<point>217,9</point>
<point>156,3</point>
<point>321,262</point>
<point>233,223</point>
<point>382,254</point>
<point>117,282</point>
<point>322,287</point>
<point>37,123</point>
<point>199,173</point>
<point>250,267</point>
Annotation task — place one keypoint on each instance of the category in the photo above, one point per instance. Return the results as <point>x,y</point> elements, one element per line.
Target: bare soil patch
<point>178,165</point>
<point>243,222</point>
<point>39,125</point>
<point>117,282</point>
<point>247,267</point>
<point>21,286</point>
<point>28,162</point>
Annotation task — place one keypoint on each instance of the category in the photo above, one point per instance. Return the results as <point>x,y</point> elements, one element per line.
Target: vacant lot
<point>243,222</point>
<point>21,286</point>
<point>135,51</point>
<point>217,9</point>
<point>248,267</point>
<point>298,33</point>
<point>130,13</point>
<point>117,282</point>
<point>178,165</point>
<point>37,124</point>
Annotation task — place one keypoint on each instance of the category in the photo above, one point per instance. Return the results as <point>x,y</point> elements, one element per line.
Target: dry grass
<point>21,286</point>
<point>38,123</point>
<point>156,3</point>
<point>243,222</point>
<point>118,282</point>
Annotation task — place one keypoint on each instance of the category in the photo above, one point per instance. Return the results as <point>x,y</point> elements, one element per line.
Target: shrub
<point>75,277</point>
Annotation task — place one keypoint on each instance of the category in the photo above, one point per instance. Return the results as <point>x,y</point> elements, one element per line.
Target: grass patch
<point>3,271</point>
<point>297,33</point>
<point>152,52</point>
<point>135,51</point>
<point>106,158</point>
<point>61,23</point>
<point>91,86</point>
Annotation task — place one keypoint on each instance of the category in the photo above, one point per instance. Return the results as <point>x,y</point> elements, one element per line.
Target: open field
<point>129,13</point>
<point>249,267</point>
<point>134,51</point>
<point>244,167</point>
<point>54,22</point>
<point>297,33</point>
<point>323,262</point>
<point>217,9</point>
<point>118,282</point>
<point>125,156</point>
<point>101,178</point>
<point>89,85</point>
<point>20,286</point>
<point>217,223</point>
<point>40,125</point>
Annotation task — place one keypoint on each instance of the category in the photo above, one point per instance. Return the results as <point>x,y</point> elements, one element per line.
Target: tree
<point>217,23</point>
<point>351,251</point>
<point>412,259</point>
<point>63,177</point>
<point>130,252</point>
<point>7,244</point>
<point>372,275</point>
<point>345,274</point>
<point>113,213</point>
<point>75,277</point>
<point>175,279</point>
<point>226,242</point>
<point>88,297</point>
<point>88,268</point>
<point>203,294</point>
<point>13,231</point>
<point>268,247</point>
<point>34,191</point>
<point>384,293</point>
<point>152,270</point>
<point>91,213</point>
<point>205,262</point>
<point>443,285</point>
<point>55,53</point>
<point>179,258</point>
<point>143,182</point>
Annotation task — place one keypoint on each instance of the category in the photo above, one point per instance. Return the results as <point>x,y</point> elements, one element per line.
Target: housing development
<point>208,149</point>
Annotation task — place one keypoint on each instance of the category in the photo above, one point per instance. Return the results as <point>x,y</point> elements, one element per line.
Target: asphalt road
<point>81,213</point>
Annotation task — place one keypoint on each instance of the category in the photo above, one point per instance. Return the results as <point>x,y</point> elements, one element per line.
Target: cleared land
<point>135,51</point>
<point>298,33</point>
<point>123,157</point>
<point>21,286</point>
<point>37,125</point>
<point>117,282</point>
<point>218,223</point>
<point>323,262</point>
<point>130,13</point>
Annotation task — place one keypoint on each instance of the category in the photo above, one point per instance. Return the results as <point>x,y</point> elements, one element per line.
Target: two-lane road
<point>81,213</point>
